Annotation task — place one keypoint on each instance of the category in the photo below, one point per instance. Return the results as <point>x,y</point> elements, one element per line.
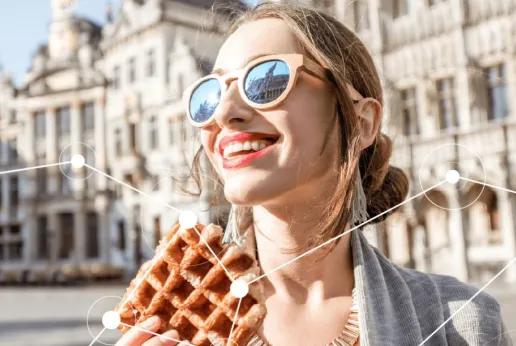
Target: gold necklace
<point>348,336</point>
<point>351,331</point>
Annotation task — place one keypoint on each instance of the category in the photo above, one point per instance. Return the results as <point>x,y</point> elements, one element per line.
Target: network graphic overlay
<point>239,288</point>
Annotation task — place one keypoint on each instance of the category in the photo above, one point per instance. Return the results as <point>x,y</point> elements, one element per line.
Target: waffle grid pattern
<point>190,290</point>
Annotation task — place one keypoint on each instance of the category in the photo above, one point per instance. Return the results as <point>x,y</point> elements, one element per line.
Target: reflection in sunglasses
<point>267,81</point>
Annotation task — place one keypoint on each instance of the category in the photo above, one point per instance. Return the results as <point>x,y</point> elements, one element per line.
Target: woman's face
<point>295,164</point>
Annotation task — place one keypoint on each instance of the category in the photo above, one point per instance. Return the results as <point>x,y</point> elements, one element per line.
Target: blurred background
<point>104,79</point>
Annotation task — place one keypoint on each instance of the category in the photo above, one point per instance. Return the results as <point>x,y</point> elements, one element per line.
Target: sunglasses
<point>263,83</point>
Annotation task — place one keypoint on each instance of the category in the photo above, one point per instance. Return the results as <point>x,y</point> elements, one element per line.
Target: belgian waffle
<point>189,290</point>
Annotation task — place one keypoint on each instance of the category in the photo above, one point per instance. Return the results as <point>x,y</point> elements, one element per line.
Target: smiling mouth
<point>240,150</point>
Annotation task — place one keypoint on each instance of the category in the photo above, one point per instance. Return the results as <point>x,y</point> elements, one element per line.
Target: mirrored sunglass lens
<point>267,81</point>
<point>204,100</point>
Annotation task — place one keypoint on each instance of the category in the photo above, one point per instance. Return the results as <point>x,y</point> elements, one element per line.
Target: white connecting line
<point>342,234</point>
<point>510,263</point>
<point>288,262</point>
<point>35,167</point>
<point>133,189</point>
<point>164,204</point>
<point>234,321</point>
<point>97,337</point>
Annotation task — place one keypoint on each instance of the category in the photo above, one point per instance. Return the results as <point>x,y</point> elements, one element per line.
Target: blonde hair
<point>333,45</point>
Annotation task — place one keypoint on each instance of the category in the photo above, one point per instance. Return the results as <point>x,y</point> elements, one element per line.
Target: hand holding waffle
<point>189,289</point>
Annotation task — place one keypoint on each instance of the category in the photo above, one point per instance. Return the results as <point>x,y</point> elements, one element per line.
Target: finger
<point>138,334</point>
<point>169,338</point>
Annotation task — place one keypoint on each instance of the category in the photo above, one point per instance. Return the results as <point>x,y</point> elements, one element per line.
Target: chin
<point>245,192</point>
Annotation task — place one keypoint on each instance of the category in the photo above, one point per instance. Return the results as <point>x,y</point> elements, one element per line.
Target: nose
<point>232,109</point>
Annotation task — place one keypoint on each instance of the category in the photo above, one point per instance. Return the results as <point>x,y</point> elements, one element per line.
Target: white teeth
<point>255,146</point>
<point>248,145</point>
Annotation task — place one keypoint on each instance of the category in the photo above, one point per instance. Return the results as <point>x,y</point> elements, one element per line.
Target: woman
<point>298,185</point>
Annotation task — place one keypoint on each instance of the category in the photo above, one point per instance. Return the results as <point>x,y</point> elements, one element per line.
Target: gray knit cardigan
<point>402,307</point>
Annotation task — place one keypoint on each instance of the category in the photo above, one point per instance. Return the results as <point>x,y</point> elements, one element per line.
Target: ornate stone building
<point>448,69</point>
<point>112,94</point>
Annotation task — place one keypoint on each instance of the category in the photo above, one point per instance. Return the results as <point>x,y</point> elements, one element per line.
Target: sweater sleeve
<point>476,321</point>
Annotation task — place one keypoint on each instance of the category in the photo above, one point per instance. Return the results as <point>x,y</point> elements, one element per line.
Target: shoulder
<point>471,315</point>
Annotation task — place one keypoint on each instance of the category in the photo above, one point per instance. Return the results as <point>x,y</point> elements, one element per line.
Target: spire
<point>63,37</point>
<point>109,12</point>
<point>62,9</point>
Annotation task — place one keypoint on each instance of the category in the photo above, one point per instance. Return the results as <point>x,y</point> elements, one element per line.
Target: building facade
<point>449,75</point>
<point>113,94</point>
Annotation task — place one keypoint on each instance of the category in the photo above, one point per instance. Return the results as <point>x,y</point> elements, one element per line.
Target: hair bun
<point>385,185</point>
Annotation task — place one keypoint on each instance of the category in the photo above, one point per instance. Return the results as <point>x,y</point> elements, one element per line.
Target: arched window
<point>484,217</point>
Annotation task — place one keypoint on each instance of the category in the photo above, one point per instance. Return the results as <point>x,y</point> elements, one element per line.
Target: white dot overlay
<point>452,176</point>
<point>111,320</point>
<point>239,288</point>
<point>187,219</point>
<point>78,161</point>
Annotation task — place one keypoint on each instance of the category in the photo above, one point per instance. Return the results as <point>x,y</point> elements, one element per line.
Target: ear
<point>369,112</point>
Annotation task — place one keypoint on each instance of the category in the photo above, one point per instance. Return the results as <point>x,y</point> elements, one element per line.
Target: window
<point>171,129</point>
<point>63,121</point>
<point>12,150</point>
<point>66,236</point>
<point>41,154</point>
<point>2,243</point>
<point>132,136</point>
<point>118,142</point>
<point>65,187</point>
<point>446,103</point>
<point>121,234</point>
<point>92,236</point>
<point>42,238</point>
<point>153,132</point>
<point>131,70</point>
<point>14,244</point>
<point>116,77</point>
<point>128,178</point>
<point>399,8</point>
<point>183,132</point>
<point>88,116</point>
<point>12,116</point>
<point>90,158</point>
<point>41,181</point>
<point>151,63</point>
<point>496,92</point>
<point>409,111</point>
<point>154,181</point>
<point>40,124</point>
<point>13,191</point>
<point>180,83</point>
<point>361,14</point>
<point>431,3</point>
<point>157,230</point>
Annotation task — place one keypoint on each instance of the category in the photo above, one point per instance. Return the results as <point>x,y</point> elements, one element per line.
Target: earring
<point>359,213</point>
<point>231,233</point>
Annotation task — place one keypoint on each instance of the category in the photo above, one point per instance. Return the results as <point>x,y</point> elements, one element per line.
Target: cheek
<point>307,125</point>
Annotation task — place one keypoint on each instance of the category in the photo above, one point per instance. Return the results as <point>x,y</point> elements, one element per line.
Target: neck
<point>303,280</point>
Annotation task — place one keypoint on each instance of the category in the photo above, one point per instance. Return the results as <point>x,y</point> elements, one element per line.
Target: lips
<point>242,137</point>
<point>242,160</point>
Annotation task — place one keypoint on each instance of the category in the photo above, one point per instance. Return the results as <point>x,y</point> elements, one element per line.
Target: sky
<point>24,26</point>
